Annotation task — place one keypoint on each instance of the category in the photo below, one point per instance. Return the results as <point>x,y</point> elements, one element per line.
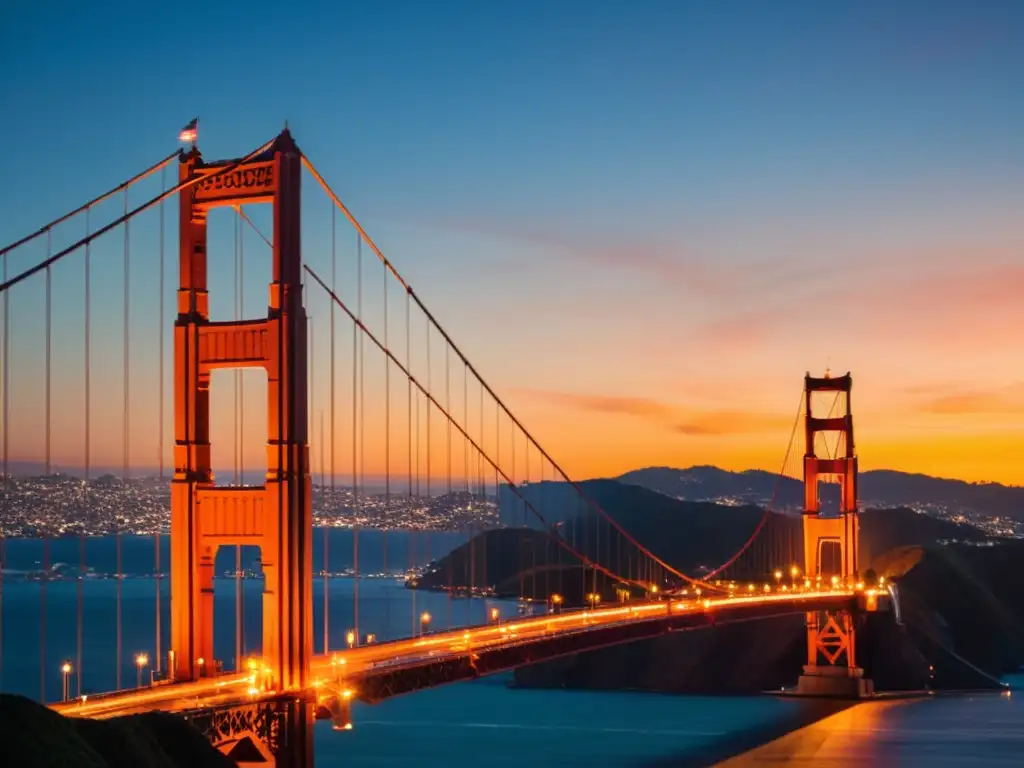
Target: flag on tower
<point>190,131</point>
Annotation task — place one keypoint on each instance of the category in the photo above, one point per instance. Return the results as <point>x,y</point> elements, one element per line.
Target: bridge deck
<point>379,670</point>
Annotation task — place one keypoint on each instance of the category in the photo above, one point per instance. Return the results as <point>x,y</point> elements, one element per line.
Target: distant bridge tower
<point>277,516</point>
<point>831,546</point>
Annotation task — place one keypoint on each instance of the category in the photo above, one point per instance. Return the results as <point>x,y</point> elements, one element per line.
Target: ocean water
<point>479,723</point>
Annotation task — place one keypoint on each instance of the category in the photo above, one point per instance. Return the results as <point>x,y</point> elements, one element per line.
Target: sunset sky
<point>643,222</point>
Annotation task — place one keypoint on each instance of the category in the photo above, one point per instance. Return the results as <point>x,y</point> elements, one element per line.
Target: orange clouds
<point>690,422</point>
<point>1004,400</point>
<point>678,265</point>
<point>978,307</point>
<point>734,422</point>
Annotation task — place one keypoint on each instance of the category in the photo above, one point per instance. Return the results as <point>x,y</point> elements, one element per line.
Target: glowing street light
<point>424,622</point>
<point>556,602</point>
<point>65,670</point>
<point>141,660</point>
<point>778,577</point>
<point>350,638</point>
<point>495,615</point>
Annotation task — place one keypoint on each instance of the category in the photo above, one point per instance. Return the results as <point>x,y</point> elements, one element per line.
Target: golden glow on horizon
<point>586,445</point>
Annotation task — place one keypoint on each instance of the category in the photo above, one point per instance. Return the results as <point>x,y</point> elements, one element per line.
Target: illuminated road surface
<point>344,668</point>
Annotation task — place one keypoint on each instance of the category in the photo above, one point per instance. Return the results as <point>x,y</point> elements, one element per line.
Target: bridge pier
<point>832,638</point>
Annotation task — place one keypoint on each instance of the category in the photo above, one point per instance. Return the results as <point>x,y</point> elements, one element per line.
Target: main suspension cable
<point>179,187</point>
<point>360,326</point>
<point>430,317</point>
<point>47,228</point>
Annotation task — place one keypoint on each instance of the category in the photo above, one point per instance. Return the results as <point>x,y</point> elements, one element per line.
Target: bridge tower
<point>277,516</point>
<point>831,545</point>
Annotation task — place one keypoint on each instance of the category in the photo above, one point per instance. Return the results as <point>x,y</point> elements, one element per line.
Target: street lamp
<point>424,622</point>
<point>495,615</point>
<point>141,660</point>
<point>778,578</point>
<point>794,574</point>
<point>556,602</point>
<point>65,670</point>
<point>350,638</point>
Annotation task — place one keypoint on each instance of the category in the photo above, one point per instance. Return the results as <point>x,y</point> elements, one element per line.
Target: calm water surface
<point>479,723</point>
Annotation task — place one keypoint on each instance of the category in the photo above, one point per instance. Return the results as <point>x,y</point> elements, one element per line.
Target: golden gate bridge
<point>403,403</point>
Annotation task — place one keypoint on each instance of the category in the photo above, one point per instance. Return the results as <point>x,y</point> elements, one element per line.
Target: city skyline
<point>629,242</point>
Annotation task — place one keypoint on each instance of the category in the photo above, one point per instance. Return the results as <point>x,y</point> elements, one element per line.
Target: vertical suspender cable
<point>483,495</point>
<point>42,619</point>
<point>419,497</point>
<point>88,437</point>
<point>547,544</point>
<point>327,528</point>
<point>426,408</point>
<point>323,498</point>
<point>49,338</point>
<point>408,410</point>
<point>241,428</point>
<point>448,450</point>
<point>126,390</point>
<point>6,443</point>
<point>355,440</point>
<point>386,523</point>
<point>469,500</point>
<point>46,539</point>
<point>497,454</point>
<point>236,439</point>
<point>160,418</point>
<point>362,411</point>
<point>519,554</point>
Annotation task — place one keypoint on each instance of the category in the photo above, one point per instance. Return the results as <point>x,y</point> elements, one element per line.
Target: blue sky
<point>600,198</point>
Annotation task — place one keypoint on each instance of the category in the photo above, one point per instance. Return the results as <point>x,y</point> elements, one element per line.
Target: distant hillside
<point>689,535</point>
<point>962,609</point>
<point>879,488</point>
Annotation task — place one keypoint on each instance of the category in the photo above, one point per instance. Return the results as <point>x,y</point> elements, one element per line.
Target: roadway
<point>345,669</point>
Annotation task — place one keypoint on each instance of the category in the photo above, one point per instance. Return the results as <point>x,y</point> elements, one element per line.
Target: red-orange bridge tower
<point>277,516</point>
